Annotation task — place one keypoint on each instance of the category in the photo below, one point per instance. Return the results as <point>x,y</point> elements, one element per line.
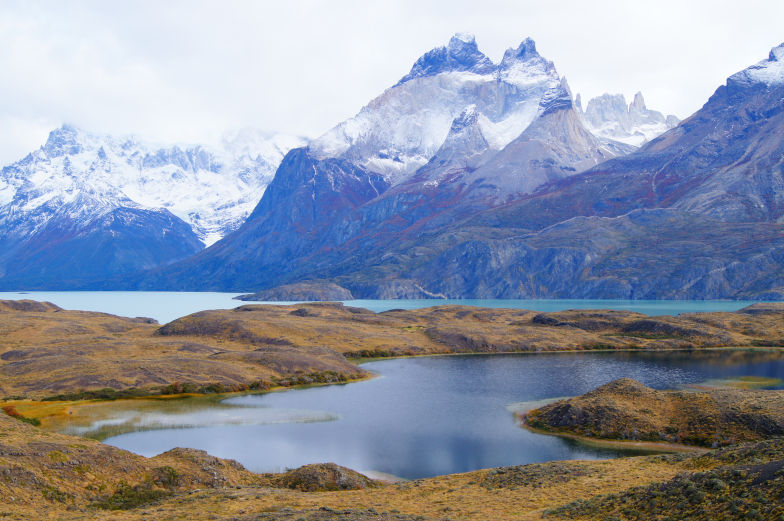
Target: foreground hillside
<point>743,481</point>
<point>52,476</point>
<point>46,351</point>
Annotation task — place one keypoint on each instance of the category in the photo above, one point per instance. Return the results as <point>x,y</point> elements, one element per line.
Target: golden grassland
<point>46,351</point>
<point>45,475</point>
<point>63,477</point>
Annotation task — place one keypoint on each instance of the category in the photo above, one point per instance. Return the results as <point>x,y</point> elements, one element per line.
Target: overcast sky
<point>187,71</point>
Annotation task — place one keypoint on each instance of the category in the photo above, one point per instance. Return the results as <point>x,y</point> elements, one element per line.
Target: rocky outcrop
<point>626,409</point>
<point>32,306</point>
<point>321,477</point>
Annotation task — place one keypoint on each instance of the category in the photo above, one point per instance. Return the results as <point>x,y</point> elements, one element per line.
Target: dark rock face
<point>292,224</point>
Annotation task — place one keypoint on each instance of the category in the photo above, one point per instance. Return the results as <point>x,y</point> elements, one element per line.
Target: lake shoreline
<point>44,411</point>
<point>165,306</point>
<point>630,445</point>
<point>253,350</point>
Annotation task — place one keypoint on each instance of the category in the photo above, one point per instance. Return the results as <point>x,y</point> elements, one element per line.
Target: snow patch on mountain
<point>609,117</point>
<point>769,72</point>
<point>462,54</point>
<point>213,189</point>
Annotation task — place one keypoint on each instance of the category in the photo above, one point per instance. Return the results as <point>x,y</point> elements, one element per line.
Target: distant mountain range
<point>474,179</point>
<point>86,206</point>
<point>608,116</point>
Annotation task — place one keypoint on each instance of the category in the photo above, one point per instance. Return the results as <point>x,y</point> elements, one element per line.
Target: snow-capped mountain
<point>212,189</point>
<point>399,131</point>
<point>86,207</point>
<point>608,116</point>
<point>768,72</point>
<point>696,212</point>
<point>455,136</point>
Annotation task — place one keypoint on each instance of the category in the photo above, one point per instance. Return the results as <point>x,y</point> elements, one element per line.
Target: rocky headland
<point>301,291</point>
<point>627,410</point>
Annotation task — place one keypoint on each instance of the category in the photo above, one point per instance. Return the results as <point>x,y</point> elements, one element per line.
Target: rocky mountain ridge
<point>399,131</point>
<point>301,221</point>
<point>474,179</point>
<point>694,213</point>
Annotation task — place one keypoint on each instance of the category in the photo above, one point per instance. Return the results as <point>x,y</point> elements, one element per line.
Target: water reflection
<point>104,419</point>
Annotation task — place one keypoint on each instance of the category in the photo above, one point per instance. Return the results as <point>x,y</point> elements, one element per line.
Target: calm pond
<point>420,417</point>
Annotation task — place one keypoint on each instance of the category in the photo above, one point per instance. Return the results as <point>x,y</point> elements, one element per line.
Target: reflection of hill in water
<point>103,420</point>
<point>717,357</point>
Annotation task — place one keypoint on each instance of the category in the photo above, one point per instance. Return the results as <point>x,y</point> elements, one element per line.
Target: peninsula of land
<point>49,352</point>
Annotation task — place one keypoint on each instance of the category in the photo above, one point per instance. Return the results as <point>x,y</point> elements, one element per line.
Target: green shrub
<point>128,497</point>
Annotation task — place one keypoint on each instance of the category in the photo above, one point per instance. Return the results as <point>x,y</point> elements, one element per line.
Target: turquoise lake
<point>166,306</point>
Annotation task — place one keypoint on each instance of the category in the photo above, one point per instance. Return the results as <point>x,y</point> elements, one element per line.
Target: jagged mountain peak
<point>65,131</point>
<point>777,53</point>
<point>524,66</point>
<point>463,37</point>
<point>465,119</point>
<point>525,51</point>
<point>464,148</point>
<point>64,140</point>
<point>211,189</point>
<point>769,72</point>
<point>460,55</point>
<point>639,102</point>
<point>400,130</point>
